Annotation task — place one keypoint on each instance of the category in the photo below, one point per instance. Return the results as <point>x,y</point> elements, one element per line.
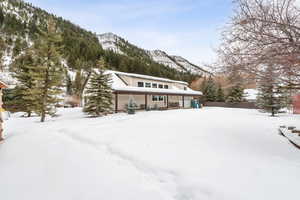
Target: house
<point>296,104</point>
<point>149,92</point>
<point>2,86</point>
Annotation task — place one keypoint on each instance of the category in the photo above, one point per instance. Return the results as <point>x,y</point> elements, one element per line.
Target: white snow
<point>109,41</point>
<point>211,153</point>
<point>294,137</point>
<point>251,94</point>
<point>162,57</point>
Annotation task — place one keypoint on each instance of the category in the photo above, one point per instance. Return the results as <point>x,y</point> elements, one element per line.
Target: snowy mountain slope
<point>125,157</point>
<point>111,41</point>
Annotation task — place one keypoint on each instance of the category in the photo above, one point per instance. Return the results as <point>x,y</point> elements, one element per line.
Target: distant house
<point>296,104</point>
<point>150,92</point>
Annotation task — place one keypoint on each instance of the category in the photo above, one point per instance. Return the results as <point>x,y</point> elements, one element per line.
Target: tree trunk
<point>273,112</point>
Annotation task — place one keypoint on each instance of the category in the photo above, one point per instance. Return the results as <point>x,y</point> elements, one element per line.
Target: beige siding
<point>133,81</point>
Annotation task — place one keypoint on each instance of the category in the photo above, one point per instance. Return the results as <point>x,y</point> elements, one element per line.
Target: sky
<point>188,28</point>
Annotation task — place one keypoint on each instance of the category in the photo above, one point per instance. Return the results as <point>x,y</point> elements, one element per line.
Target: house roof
<point>147,77</point>
<point>3,85</point>
<point>119,86</point>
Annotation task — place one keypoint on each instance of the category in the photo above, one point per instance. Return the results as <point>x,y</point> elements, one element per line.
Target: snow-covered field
<point>213,153</point>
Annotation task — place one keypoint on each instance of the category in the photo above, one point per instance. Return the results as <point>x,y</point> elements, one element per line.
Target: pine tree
<point>49,72</point>
<point>209,89</point>
<point>23,70</point>
<point>220,94</point>
<point>236,94</point>
<point>271,97</point>
<point>98,93</point>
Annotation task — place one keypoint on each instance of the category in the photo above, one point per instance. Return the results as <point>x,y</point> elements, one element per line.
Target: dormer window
<point>161,86</point>
<point>154,85</point>
<point>148,85</point>
<point>140,84</point>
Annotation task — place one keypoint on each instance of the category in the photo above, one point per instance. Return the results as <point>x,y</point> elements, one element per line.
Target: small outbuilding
<point>296,104</point>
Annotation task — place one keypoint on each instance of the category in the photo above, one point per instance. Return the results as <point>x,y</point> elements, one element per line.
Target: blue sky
<point>189,28</point>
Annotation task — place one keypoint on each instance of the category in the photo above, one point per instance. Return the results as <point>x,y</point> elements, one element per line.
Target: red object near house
<point>296,104</point>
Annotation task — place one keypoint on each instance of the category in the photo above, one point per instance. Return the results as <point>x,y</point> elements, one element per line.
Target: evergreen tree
<point>209,89</point>
<point>220,94</point>
<point>98,93</point>
<point>271,97</point>
<point>49,72</point>
<point>236,94</point>
<point>24,70</point>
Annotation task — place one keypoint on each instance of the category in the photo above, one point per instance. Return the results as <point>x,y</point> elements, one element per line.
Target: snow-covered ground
<point>212,153</point>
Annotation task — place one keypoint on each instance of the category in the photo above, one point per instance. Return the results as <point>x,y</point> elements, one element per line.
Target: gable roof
<point>146,77</point>
<point>119,86</point>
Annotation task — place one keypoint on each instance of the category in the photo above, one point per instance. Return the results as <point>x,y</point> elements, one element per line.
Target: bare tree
<point>263,33</point>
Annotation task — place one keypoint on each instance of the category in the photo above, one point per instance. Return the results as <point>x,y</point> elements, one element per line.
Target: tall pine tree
<point>49,72</point>
<point>24,70</point>
<point>98,93</point>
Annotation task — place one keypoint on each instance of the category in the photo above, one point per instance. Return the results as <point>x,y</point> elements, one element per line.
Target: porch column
<point>183,101</point>
<point>146,101</point>
<point>167,101</point>
<point>116,102</point>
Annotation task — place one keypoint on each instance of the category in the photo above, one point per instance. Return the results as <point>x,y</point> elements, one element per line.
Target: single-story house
<point>150,92</point>
<point>296,104</point>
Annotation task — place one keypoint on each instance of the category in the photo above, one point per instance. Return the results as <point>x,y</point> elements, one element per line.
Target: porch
<point>152,100</point>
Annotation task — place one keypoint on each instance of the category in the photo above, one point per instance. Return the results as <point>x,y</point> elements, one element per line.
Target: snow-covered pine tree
<point>236,94</point>
<point>220,94</point>
<point>24,70</point>
<point>49,72</point>
<point>271,97</point>
<point>98,93</point>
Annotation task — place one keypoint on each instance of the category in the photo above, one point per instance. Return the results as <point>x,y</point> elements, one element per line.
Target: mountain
<point>21,25</point>
<point>113,42</point>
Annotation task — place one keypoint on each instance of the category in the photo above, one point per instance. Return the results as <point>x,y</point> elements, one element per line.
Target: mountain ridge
<point>111,41</point>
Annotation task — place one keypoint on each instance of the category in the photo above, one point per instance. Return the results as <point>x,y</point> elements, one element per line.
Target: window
<point>148,85</point>
<point>160,86</point>
<point>154,85</point>
<point>154,98</point>
<point>140,84</point>
<point>185,88</point>
<point>166,86</point>
<point>161,98</point>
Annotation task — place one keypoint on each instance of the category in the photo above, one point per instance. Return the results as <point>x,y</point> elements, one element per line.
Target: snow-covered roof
<point>147,77</point>
<point>119,85</point>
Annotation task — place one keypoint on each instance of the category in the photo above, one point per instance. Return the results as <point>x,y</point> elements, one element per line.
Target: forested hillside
<point>22,23</point>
